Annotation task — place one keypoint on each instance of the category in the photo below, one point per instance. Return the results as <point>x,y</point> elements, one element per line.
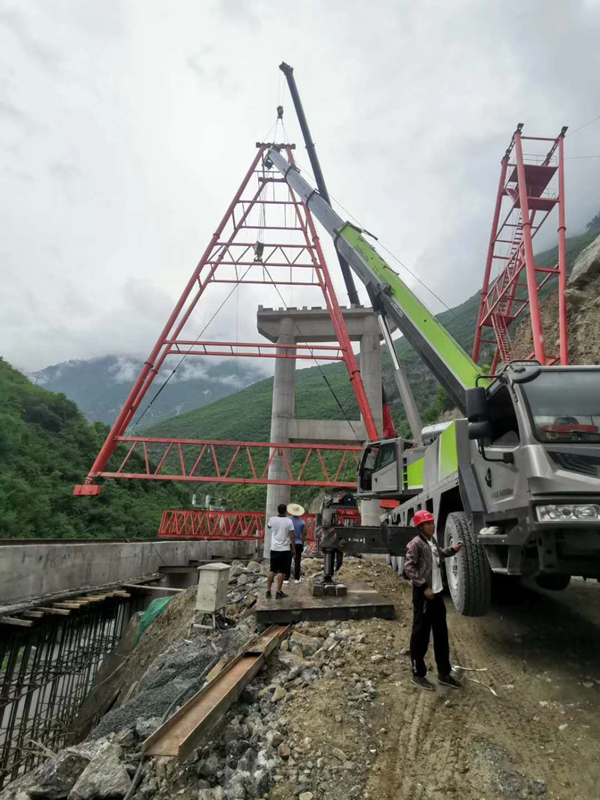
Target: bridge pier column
<point>284,400</point>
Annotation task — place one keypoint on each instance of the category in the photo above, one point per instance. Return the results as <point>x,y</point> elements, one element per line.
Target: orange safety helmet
<point>423,516</point>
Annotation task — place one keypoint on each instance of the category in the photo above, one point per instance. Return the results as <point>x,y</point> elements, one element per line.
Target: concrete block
<point>341,590</point>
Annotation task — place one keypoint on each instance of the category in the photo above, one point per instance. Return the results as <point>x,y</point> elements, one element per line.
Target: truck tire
<point>468,573</point>
<point>553,580</point>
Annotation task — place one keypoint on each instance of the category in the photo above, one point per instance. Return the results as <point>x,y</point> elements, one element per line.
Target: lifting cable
<point>323,375</point>
<point>387,250</point>
<point>320,368</point>
<point>139,419</point>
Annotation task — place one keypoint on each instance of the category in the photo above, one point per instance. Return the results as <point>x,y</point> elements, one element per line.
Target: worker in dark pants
<point>296,512</point>
<point>423,568</point>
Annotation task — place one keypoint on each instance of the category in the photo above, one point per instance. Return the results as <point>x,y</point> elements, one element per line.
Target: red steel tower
<point>527,195</point>
<point>266,238</point>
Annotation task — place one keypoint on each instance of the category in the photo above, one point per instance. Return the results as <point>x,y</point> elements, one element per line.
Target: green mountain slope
<point>246,415</point>
<point>99,386</point>
<point>46,447</point>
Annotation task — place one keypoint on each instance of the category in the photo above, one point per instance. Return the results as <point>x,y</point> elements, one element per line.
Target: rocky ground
<point>583,305</point>
<point>334,715</point>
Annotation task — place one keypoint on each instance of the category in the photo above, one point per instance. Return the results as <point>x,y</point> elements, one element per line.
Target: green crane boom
<point>446,359</point>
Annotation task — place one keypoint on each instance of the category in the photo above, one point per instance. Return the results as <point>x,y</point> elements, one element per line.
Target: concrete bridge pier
<point>284,401</point>
<point>313,325</point>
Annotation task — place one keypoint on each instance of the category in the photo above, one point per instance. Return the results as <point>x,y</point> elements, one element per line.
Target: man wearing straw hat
<point>296,512</point>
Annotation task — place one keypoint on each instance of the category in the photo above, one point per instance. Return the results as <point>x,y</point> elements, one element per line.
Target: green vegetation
<point>46,447</point>
<point>246,415</point>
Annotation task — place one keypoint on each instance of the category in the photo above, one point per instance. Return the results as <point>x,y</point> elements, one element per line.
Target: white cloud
<point>124,370</point>
<point>129,125</point>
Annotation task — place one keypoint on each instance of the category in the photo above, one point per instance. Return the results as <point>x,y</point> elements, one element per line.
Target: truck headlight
<point>568,513</point>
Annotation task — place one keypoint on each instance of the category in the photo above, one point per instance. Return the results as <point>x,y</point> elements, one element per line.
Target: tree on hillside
<point>594,224</point>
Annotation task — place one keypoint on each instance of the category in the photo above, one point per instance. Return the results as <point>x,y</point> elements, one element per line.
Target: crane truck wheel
<point>555,581</point>
<point>468,573</point>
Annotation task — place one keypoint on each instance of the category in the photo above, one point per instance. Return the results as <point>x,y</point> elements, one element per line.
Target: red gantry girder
<point>221,525</point>
<point>267,238</point>
<point>524,201</point>
<point>211,461</point>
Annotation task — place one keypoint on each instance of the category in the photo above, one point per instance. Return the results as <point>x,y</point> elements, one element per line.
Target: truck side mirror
<point>480,430</point>
<point>477,404</point>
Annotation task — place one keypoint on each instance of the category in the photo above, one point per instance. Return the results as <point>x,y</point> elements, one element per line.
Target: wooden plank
<point>74,606</point>
<point>33,614</point>
<point>20,623</point>
<point>122,594</point>
<point>62,612</point>
<point>180,735</point>
<point>150,589</point>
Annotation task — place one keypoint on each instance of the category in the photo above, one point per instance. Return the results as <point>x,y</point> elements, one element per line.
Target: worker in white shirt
<point>283,544</point>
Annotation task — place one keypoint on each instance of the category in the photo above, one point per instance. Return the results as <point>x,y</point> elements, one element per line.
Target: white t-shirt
<point>280,529</point>
<point>436,573</point>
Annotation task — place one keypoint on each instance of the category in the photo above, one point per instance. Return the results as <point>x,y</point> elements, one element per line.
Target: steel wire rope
<point>185,355</point>
<point>320,368</point>
<point>387,250</point>
<point>286,140</point>
<point>581,127</point>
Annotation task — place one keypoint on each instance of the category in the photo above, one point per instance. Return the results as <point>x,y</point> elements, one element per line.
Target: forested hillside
<point>46,447</point>
<point>100,386</point>
<point>246,415</point>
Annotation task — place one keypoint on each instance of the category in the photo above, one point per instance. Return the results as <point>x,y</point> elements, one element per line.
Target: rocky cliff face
<point>583,313</point>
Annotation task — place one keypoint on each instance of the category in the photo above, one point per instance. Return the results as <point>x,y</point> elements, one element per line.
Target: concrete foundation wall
<point>36,570</point>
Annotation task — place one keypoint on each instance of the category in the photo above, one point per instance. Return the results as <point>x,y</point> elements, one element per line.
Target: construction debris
<point>333,715</point>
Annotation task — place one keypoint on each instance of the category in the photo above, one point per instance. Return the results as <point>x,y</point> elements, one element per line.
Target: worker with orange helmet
<point>424,558</point>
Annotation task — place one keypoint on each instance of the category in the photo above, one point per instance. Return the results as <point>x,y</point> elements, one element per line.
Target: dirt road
<point>538,651</point>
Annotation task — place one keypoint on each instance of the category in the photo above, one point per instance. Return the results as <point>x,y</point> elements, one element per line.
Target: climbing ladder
<point>524,201</point>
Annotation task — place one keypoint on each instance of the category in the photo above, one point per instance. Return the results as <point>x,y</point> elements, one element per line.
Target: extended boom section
<point>452,367</point>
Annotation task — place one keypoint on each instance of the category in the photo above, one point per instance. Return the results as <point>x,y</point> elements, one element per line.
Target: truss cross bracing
<point>267,238</point>
<point>222,525</point>
<point>531,187</point>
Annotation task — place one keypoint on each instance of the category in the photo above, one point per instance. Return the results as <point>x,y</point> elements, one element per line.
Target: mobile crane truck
<point>517,480</point>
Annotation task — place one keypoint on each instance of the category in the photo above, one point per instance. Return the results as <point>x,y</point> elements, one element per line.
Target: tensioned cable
<point>581,127</point>
<point>388,251</point>
<point>320,368</point>
<point>186,354</point>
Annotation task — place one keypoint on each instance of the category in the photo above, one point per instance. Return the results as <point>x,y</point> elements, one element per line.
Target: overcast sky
<point>127,125</point>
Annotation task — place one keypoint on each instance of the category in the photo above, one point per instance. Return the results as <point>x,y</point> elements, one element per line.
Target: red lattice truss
<point>205,461</point>
<point>267,238</point>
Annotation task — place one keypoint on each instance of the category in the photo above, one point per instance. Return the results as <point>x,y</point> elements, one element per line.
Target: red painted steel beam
<point>534,301</point>
<point>315,357</point>
<point>490,257</point>
<point>221,250</point>
<point>499,304</point>
<point>139,388</point>
<point>140,476</point>
<point>341,330</point>
<point>206,452</point>
<point>221,525</point>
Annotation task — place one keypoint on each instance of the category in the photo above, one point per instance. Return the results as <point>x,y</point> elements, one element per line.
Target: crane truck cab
<point>518,480</point>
